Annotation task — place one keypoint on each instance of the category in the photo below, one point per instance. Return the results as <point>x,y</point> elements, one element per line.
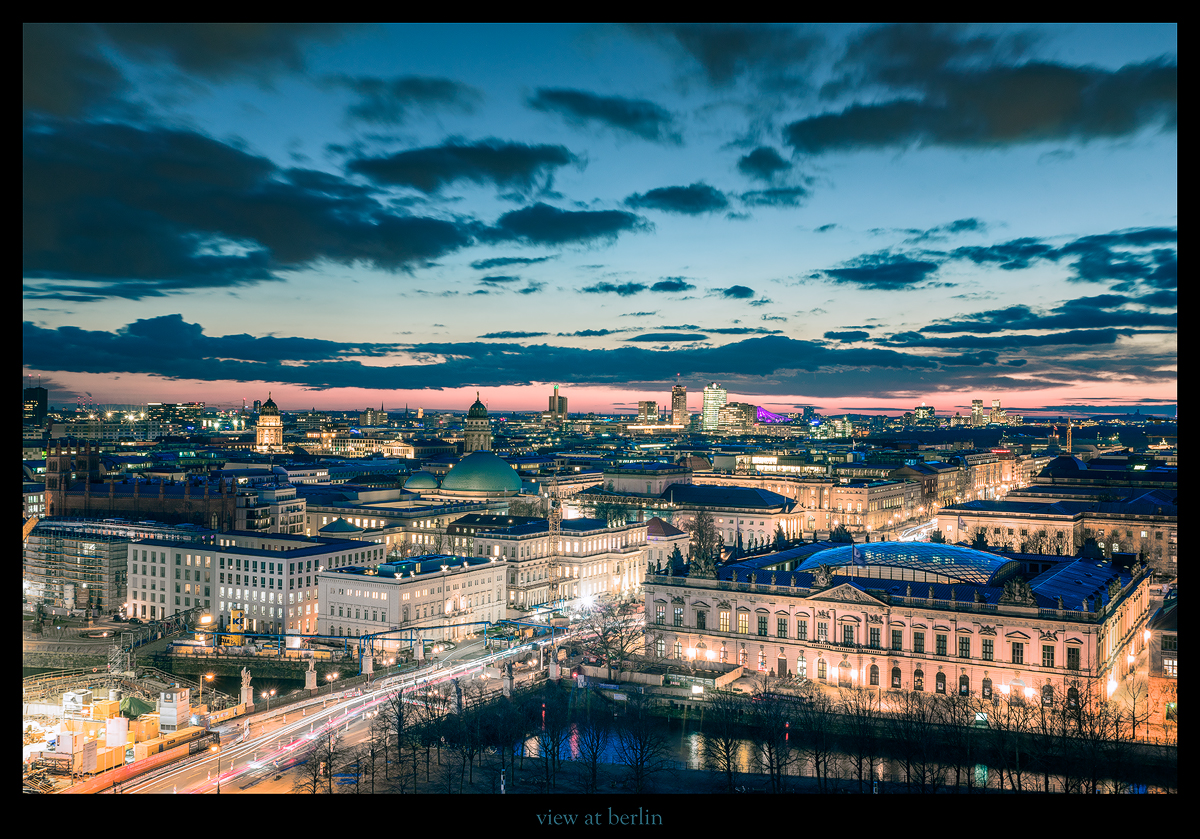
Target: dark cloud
<point>825,228</point>
<point>142,212</point>
<point>514,335</point>
<point>672,284</point>
<point>504,261</point>
<point>513,165</point>
<point>667,337</point>
<point>736,292</point>
<point>744,330</point>
<point>632,116</point>
<point>1083,337</point>
<point>392,101</point>
<point>775,317</point>
<point>546,225</point>
<point>499,279</point>
<point>638,314</point>
<point>1104,310</point>
<point>847,337</point>
<point>949,87</point>
<point>777,197</point>
<point>762,301</point>
<point>944,231</point>
<point>775,56</point>
<point>882,270</point>
<point>533,287</point>
<point>171,348</point>
<point>590,333</point>
<point>689,200</point>
<point>67,69</point>
<point>764,163</point>
<point>623,289</point>
<point>974,359</point>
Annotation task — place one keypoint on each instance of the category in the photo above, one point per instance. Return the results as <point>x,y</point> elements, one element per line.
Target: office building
<point>558,407</point>
<point>34,401</point>
<point>679,411</point>
<point>715,398</point>
<point>647,412</point>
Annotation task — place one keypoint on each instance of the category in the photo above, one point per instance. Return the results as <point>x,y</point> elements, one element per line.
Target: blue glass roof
<point>959,564</point>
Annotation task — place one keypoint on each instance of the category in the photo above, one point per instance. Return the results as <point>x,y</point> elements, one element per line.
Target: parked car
<point>134,621</point>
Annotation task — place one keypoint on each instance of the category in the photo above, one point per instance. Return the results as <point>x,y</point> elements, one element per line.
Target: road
<point>257,752</point>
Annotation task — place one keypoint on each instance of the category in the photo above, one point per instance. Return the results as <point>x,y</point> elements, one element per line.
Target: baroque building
<point>477,434</point>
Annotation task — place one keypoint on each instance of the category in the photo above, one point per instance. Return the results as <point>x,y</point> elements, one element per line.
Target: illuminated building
<point>679,411</point>
<point>268,433</point>
<point>477,434</point>
<point>909,616</point>
<point>715,398</point>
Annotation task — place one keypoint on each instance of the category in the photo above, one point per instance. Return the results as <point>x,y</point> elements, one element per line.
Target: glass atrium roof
<point>956,564</point>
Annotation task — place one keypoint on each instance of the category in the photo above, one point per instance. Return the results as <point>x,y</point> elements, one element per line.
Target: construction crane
<point>27,528</point>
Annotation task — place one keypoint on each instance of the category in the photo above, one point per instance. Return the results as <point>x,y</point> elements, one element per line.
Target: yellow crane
<point>27,528</point>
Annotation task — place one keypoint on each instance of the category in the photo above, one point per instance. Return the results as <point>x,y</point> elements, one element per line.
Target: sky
<point>859,218</point>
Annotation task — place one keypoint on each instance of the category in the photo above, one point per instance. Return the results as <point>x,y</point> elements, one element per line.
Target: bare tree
<point>307,777</point>
<point>772,718</point>
<point>704,543</point>
<point>547,712</point>
<point>641,744</point>
<point>613,631</point>
<point>725,715</point>
<point>593,735</point>
<point>912,730</point>
<point>861,718</point>
<point>817,741</point>
<point>1136,710</point>
<point>528,507</point>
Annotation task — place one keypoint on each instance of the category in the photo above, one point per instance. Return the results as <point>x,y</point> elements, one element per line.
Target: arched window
<point>964,685</point>
<point>1073,698</point>
<point>985,688</point>
<point>918,680</point>
<point>678,650</point>
<point>820,668</point>
<point>1048,695</point>
<point>801,667</point>
<point>896,678</point>
<point>939,682</point>
<point>874,674</point>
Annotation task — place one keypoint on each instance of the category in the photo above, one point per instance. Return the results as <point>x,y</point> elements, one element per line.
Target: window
<point>659,646</point>
<point>743,623</point>
<point>940,642</point>
<point>677,650</point>
<point>660,615</point>
<point>918,680</point>
<point>848,635</point>
<point>897,639</point>
<point>762,624</point>
<point>781,627</point>
<point>1170,643</point>
<point>1171,668</point>
<point>1072,658</point>
<point>801,667</point>
<point>896,678</point>
<point>701,619</point>
<point>874,674</point>
<point>820,668</point>
<point>964,647</point>
<point>1048,695</point>
<point>985,688</point>
<point>875,637</point>
<point>1047,655</point>
<point>988,648</point>
<point>1018,652</point>
<point>918,642</point>
<point>802,629</point>
<point>678,617</point>
<point>964,685</point>
<point>823,632</point>
<point>939,682</point>
<point>724,618</point>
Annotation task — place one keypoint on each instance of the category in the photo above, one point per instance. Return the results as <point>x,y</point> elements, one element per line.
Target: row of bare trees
<point>422,741</point>
<point>931,742</point>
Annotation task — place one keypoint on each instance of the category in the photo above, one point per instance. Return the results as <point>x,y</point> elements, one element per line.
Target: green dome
<point>421,481</point>
<point>478,411</point>
<point>482,473</point>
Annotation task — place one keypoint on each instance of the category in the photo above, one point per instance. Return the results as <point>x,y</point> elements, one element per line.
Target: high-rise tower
<point>715,398</point>
<point>679,411</point>
<point>558,407</point>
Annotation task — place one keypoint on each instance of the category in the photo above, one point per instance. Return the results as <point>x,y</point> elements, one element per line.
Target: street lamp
<point>207,677</point>
<point>267,696</point>
<point>331,678</point>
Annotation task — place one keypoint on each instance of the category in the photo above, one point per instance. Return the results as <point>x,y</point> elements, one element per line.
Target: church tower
<point>477,436</point>
<point>269,431</point>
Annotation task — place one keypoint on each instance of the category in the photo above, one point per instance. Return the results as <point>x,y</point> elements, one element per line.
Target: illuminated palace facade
<point>909,616</point>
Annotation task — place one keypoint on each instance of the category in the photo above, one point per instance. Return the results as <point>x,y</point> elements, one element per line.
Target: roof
<point>478,410</point>
<point>660,529</point>
<point>1166,619</point>
<point>1076,581</point>
<point>339,525</point>
<point>963,565</point>
<point>421,481</point>
<point>482,472</point>
<point>727,497</point>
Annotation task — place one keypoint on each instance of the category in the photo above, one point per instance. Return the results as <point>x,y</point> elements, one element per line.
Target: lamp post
<point>217,751</point>
<point>207,677</point>
<point>331,678</point>
<point>267,696</point>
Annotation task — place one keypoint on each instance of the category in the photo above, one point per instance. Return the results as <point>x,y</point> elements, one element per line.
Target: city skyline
<point>857,218</point>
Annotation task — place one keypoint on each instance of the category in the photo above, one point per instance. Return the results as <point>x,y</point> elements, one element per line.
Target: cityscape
<point>604,409</point>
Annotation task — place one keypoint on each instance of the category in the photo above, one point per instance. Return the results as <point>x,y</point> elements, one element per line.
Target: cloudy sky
<point>852,217</point>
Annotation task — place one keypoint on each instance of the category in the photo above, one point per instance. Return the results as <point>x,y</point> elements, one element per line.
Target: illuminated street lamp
<point>208,677</point>
<point>267,696</point>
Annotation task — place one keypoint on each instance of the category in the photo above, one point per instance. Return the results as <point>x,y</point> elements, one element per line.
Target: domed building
<point>422,482</point>
<point>339,528</point>
<point>269,430</point>
<point>481,475</point>
<point>477,430</point>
